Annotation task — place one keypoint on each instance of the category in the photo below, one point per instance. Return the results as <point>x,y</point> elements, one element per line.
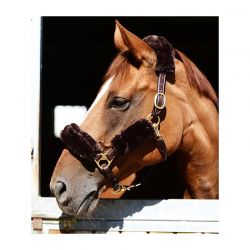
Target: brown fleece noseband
<point>90,153</point>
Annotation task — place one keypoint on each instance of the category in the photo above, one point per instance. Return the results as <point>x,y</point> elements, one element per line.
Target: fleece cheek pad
<point>133,136</point>
<point>83,147</point>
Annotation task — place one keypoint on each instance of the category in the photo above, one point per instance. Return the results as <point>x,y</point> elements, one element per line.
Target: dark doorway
<point>76,51</point>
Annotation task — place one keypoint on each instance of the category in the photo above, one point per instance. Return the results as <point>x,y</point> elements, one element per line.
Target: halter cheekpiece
<point>90,153</point>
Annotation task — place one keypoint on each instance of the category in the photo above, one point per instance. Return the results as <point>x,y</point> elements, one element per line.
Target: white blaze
<point>64,115</point>
<point>100,95</point>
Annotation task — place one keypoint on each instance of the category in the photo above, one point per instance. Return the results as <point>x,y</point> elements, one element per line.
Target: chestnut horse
<point>189,127</point>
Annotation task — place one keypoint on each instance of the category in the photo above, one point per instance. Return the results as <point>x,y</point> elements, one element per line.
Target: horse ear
<point>125,40</point>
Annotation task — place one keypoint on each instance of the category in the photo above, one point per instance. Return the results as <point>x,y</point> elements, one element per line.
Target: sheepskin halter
<point>90,153</point>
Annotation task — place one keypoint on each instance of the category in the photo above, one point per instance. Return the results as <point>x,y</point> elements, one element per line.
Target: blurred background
<point>75,54</point>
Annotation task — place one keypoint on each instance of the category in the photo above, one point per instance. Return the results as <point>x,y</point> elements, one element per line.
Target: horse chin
<point>86,210</point>
<point>87,206</point>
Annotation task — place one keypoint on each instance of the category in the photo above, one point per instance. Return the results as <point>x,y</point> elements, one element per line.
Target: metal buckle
<point>164,101</point>
<point>118,190</point>
<point>103,159</point>
<point>124,188</point>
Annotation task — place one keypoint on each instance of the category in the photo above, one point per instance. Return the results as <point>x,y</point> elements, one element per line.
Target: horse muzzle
<point>76,190</point>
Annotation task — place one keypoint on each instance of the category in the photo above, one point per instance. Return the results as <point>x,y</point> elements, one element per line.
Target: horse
<point>184,121</point>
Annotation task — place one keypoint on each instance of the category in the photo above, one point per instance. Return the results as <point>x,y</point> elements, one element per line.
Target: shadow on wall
<point>114,212</point>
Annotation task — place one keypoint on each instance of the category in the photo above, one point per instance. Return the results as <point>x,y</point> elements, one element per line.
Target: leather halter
<point>104,161</point>
<point>82,146</point>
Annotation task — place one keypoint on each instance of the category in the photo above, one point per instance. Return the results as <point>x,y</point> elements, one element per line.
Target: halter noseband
<point>90,153</point>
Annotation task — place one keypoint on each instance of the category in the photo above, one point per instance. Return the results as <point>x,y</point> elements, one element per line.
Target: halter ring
<point>103,158</point>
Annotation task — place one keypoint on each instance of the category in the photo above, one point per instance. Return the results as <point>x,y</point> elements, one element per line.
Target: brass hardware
<point>124,188</point>
<point>121,188</point>
<point>155,125</point>
<point>132,186</point>
<point>103,159</point>
<point>149,118</point>
<point>164,101</point>
<point>156,129</point>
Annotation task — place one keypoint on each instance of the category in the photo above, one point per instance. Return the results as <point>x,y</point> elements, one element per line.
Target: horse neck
<point>200,118</point>
<point>199,142</point>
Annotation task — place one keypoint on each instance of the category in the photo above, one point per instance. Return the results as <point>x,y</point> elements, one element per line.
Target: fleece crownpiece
<point>164,52</point>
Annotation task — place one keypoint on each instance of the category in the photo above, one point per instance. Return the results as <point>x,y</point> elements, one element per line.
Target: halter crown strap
<point>165,69</point>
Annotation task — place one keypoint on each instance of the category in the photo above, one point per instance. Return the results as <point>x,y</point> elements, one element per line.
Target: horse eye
<point>119,103</point>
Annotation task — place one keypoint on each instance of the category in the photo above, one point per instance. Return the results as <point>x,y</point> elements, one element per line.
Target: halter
<point>90,153</point>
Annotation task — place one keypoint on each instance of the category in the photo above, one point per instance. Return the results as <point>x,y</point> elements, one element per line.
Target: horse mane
<point>120,67</point>
<point>196,78</point>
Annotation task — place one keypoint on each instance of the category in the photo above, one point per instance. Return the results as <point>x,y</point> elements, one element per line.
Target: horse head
<point>126,97</point>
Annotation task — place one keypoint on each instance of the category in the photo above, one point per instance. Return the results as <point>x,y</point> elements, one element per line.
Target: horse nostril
<point>61,193</point>
<point>59,189</point>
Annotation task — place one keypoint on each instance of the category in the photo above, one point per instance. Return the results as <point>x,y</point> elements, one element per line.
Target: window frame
<point>46,214</point>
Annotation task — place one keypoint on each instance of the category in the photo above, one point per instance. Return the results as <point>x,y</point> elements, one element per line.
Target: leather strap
<point>160,143</point>
<point>159,105</point>
<point>107,172</point>
<point>111,154</point>
<point>160,97</point>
